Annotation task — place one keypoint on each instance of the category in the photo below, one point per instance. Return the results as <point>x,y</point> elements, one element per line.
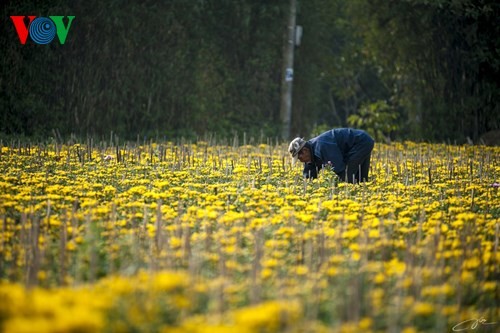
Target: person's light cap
<point>295,146</point>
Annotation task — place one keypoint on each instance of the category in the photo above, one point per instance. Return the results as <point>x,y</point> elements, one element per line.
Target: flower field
<point>206,237</point>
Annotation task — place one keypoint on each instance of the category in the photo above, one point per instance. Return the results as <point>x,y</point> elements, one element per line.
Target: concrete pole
<point>287,77</point>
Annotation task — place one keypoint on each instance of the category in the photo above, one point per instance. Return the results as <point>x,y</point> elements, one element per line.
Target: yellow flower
<point>351,234</point>
<point>301,270</point>
<point>268,316</point>
<point>365,323</point>
<point>442,290</point>
<point>355,256</point>
<point>266,273</point>
<point>167,281</point>
<point>175,242</point>
<point>395,267</point>
<point>374,233</point>
<point>471,263</point>
<point>423,309</point>
<point>379,278</point>
<point>304,217</point>
<point>490,286</point>
<point>409,330</point>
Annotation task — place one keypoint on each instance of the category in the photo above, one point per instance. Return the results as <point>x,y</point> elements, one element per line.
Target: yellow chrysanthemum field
<point>204,237</point>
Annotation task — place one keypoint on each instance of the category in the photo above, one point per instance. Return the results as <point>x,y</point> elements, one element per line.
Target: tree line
<point>407,69</point>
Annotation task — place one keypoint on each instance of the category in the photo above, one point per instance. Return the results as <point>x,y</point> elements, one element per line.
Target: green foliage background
<point>191,67</point>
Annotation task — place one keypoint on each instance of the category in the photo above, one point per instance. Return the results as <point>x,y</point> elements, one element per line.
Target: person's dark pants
<point>358,161</point>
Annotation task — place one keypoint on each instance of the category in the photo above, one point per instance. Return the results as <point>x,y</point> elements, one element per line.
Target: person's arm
<point>310,171</point>
<point>330,154</point>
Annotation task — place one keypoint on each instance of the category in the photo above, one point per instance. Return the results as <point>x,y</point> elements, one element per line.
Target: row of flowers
<point>200,237</point>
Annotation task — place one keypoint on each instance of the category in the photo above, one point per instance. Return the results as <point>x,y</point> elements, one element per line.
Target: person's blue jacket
<point>334,148</point>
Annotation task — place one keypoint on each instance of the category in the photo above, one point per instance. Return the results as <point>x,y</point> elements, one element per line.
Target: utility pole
<point>287,77</point>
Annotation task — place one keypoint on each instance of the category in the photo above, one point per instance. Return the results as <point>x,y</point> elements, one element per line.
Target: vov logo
<point>42,30</point>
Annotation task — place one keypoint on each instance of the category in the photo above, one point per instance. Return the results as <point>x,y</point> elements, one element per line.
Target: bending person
<point>346,150</point>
